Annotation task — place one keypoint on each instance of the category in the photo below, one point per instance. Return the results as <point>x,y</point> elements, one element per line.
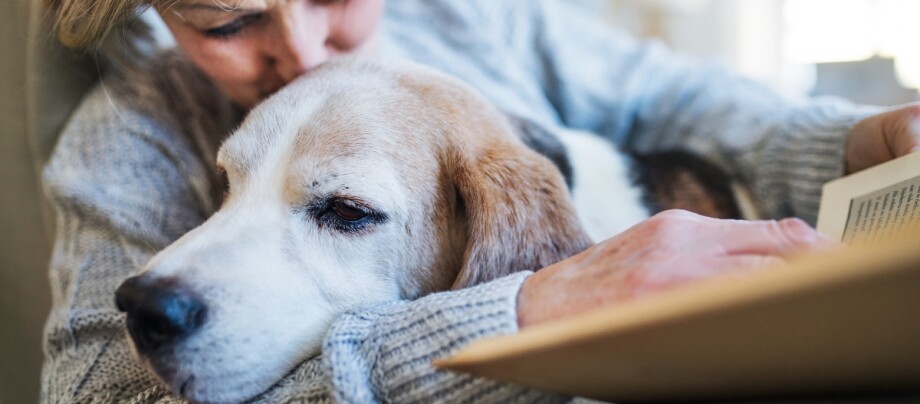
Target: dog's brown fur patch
<point>515,203</point>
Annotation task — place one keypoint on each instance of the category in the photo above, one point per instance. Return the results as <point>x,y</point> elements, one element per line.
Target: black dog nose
<point>160,311</point>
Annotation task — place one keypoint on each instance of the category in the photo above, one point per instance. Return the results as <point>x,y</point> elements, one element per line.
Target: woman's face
<point>251,48</point>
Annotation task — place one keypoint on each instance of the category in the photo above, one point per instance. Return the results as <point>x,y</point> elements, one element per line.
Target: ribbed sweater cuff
<point>808,152</point>
<point>386,352</point>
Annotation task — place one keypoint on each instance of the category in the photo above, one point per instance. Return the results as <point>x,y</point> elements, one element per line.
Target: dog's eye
<point>347,210</point>
<point>343,214</point>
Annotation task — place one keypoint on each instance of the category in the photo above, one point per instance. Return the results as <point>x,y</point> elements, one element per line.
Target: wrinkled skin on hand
<point>670,249</point>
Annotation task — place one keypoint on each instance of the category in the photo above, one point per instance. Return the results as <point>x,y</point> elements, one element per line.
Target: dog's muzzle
<point>160,312</point>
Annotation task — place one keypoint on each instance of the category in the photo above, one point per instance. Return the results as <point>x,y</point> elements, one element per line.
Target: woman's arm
<point>120,185</point>
<point>384,353</point>
<point>645,97</point>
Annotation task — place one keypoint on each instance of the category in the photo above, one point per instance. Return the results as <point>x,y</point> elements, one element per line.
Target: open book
<point>841,322</point>
<point>872,204</point>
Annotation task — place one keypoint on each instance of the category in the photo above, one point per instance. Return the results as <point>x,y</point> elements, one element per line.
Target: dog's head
<point>361,182</point>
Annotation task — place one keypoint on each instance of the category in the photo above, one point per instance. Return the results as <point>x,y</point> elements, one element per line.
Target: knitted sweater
<point>134,170</point>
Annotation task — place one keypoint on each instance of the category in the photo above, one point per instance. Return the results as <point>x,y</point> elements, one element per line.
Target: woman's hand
<point>882,137</point>
<point>667,250</point>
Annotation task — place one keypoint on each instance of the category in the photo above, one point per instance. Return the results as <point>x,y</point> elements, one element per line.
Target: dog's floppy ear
<point>518,212</point>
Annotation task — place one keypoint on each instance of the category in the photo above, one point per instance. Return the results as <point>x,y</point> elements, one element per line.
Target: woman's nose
<point>299,43</point>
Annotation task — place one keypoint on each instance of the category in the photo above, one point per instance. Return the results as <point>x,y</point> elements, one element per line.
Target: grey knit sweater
<point>134,170</point>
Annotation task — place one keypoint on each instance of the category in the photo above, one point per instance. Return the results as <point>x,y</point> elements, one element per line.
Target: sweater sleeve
<point>384,353</point>
<point>645,97</point>
<point>121,189</point>
<point>124,186</point>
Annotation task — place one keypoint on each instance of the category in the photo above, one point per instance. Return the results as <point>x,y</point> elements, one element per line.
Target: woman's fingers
<point>668,250</point>
<point>732,266</point>
<point>696,232</point>
<point>770,237</point>
<point>905,138</point>
<point>884,136</point>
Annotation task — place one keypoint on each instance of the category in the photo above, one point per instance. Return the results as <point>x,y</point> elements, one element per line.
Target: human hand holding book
<point>836,323</point>
<point>670,250</point>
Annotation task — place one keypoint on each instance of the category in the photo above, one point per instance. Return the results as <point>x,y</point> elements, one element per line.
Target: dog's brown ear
<point>518,212</point>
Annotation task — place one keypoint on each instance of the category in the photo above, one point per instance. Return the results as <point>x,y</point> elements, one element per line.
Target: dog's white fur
<point>605,199</point>
<point>457,188</point>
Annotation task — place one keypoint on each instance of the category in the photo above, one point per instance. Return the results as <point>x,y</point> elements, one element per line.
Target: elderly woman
<point>134,170</point>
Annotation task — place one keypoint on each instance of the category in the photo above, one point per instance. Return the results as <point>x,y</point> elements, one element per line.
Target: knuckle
<point>912,111</point>
<point>903,117</point>
<point>674,216</point>
<point>797,232</point>
<point>671,223</point>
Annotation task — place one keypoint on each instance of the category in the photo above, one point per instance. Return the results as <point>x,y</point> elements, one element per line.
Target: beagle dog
<point>366,182</point>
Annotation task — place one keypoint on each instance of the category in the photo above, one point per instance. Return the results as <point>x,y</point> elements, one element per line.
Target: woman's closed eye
<point>236,26</point>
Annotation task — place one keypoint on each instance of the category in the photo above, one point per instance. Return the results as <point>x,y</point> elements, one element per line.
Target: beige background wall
<point>39,86</point>
<point>24,295</point>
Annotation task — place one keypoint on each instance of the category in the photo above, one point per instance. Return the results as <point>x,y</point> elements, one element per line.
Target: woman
<point>134,170</point>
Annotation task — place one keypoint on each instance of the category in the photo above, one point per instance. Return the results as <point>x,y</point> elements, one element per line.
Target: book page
<point>873,203</point>
<point>883,213</point>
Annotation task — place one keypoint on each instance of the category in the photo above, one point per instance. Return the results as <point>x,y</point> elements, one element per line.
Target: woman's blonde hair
<point>111,30</point>
<point>84,23</point>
